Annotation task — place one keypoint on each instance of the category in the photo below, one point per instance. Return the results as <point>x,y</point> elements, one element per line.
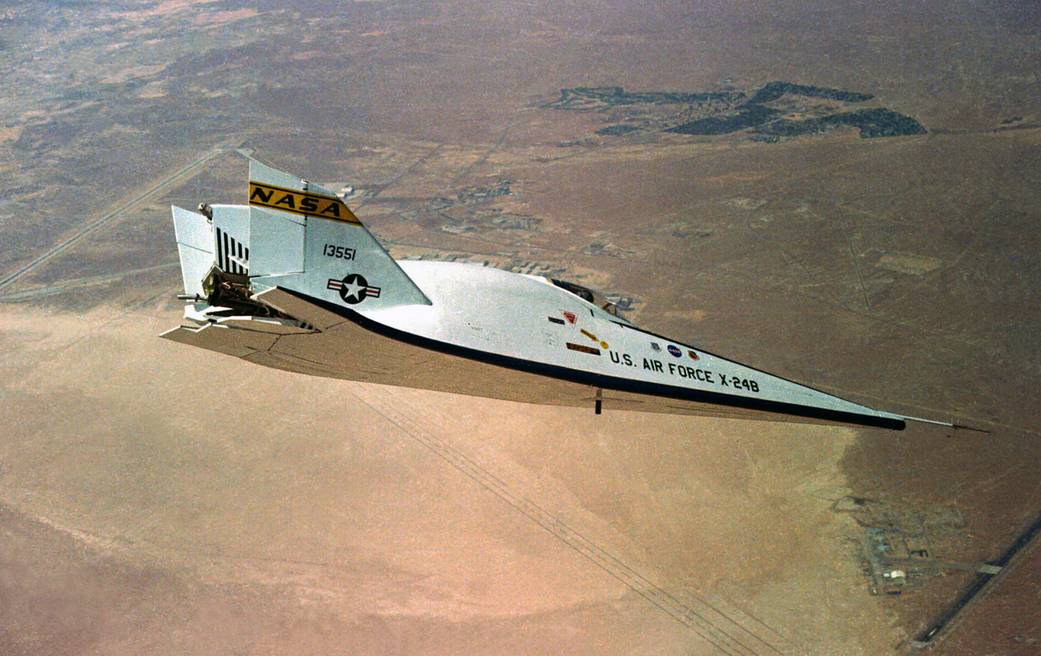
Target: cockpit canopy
<point>586,294</point>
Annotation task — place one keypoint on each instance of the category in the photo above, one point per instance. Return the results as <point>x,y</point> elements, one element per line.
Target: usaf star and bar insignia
<point>353,288</point>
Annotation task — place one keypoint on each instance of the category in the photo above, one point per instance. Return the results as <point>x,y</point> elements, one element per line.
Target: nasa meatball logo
<point>674,351</point>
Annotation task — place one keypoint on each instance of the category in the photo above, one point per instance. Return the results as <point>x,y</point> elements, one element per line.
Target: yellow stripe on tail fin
<point>307,202</point>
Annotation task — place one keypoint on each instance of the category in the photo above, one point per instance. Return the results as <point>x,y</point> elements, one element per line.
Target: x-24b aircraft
<point>294,281</point>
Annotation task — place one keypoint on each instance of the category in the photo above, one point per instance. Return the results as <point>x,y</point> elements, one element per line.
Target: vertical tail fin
<point>304,238</point>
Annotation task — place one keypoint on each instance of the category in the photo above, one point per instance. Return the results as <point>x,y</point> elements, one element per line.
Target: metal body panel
<point>264,325</point>
<point>231,237</point>
<point>355,313</point>
<point>360,349</point>
<point>276,243</point>
<point>507,314</point>
<point>223,339</point>
<point>194,247</point>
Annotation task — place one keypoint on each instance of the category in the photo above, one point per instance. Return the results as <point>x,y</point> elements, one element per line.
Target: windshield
<point>589,295</point>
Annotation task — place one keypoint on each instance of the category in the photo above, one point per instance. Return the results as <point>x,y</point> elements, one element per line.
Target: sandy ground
<point>159,499</point>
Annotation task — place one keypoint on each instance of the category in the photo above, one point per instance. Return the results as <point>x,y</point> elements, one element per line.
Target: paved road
<point>10,278</point>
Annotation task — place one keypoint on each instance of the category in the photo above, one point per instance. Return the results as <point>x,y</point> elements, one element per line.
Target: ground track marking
<point>693,618</point>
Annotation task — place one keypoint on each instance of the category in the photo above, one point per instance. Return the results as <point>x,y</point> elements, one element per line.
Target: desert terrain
<point>842,194</point>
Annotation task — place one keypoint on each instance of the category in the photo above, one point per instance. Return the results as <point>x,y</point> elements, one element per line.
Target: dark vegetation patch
<point>774,90</point>
<point>746,116</point>
<point>728,111</point>
<point>877,122</point>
